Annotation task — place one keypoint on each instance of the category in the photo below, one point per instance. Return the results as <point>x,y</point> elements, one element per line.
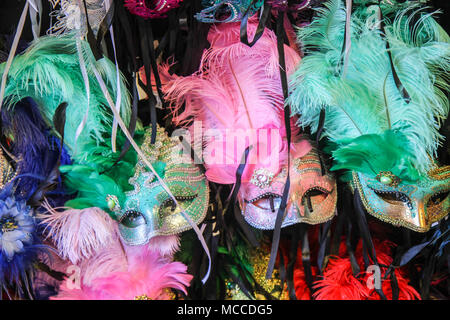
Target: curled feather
<point>49,72</point>
<point>367,101</point>
<point>79,234</point>
<point>236,88</point>
<point>148,276</point>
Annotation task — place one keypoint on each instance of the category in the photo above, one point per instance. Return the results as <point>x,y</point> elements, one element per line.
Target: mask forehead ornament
<point>148,210</point>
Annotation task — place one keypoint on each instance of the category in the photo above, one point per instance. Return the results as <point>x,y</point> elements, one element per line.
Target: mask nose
<point>420,217</point>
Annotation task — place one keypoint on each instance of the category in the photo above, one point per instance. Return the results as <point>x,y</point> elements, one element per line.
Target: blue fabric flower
<point>16,227</point>
<point>19,246</point>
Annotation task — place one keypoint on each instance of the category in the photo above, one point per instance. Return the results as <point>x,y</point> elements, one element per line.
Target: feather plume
<point>92,188</point>
<point>49,72</point>
<point>166,246</point>
<point>79,234</point>
<point>339,283</point>
<point>367,100</point>
<point>109,260</point>
<point>148,274</point>
<point>236,88</point>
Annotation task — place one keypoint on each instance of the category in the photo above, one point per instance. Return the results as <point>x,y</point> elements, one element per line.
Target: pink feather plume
<point>147,274</point>
<point>236,88</point>
<point>79,234</point>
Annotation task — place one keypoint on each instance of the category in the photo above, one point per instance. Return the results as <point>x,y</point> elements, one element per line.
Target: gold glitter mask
<point>416,207</point>
<point>7,172</point>
<point>148,210</point>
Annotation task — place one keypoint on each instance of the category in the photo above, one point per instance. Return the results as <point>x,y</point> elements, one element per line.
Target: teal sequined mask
<point>148,210</point>
<point>414,206</point>
<point>226,10</point>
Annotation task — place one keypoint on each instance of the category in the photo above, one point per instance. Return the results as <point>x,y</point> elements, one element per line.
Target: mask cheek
<point>134,236</point>
<point>314,195</point>
<point>261,210</point>
<point>438,205</point>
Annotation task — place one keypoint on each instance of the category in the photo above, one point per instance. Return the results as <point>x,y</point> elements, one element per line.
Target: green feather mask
<point>376,130</point>
<point>50,72</point>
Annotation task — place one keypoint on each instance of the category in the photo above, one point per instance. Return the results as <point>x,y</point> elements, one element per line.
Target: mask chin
<point>417,207</point>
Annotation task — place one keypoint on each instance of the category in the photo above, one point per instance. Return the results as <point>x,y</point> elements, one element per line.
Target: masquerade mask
<point>148,210</point>
<point>312,196</point>
<point>226,11</point>
<point>242,81</point>
<point>414,206</point>
<point>151,8</point>
<point>382,121</point>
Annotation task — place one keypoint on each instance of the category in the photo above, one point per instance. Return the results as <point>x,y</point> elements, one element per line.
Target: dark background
<point>10,11</point>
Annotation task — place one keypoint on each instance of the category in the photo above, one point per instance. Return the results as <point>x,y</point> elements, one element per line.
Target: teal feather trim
<point>366,101</point>
<point>93,181</point>
<point>49,72</point>
<point>373,153</point>
<point>91,187</point>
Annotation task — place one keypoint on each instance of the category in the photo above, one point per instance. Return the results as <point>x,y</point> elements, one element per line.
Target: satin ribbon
<point>265,16</point>
<point>282,209</point>
<point>147,163</point>
<point>88,92</point>
<point>35,10</point>
<point>107,5</point>
<point>347,36</point>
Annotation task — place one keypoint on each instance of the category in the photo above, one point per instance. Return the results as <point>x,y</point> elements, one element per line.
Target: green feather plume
<point>101,175</point>
<point>366,101</point>
<point>372,153</point>
<point>91,187</point>
<point>49,72</point>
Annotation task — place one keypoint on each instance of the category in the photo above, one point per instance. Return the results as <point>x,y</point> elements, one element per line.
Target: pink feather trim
<point>147,274</point>
<point>79,234</point>
<point>236,88</point>
<point>165,246</point>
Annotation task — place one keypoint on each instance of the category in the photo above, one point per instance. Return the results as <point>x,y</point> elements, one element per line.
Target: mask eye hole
<point>132,219</point>
<point>394,197</point>
<point>223,12</point>
<point>314,195</point>
<point>168,206</point>
<point>267,201</point>
<point>438,198</point>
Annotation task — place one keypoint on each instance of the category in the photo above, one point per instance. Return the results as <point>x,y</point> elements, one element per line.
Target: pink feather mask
<point>236,99</point>
<point>88,240</point>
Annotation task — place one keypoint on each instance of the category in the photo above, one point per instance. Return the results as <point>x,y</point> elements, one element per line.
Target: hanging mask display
<point>381,119</point>
<point>224,149</point>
